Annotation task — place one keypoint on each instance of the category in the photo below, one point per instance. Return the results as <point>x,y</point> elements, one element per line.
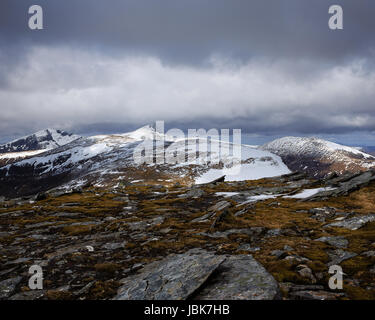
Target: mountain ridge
<point>41,140</point>
<point>318,157</point>
<point>111,159</point>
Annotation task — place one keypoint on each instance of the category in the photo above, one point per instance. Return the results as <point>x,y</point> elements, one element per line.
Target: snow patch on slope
<point>22,154</point>
<point>75,155</point>
<point>308,193</point>
<point>255,164</point>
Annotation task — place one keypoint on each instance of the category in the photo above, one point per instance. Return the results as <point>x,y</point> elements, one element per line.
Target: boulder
<point>199,274</point>
<point>321,214</point>
<point>8,286</point>
<point>240,277</point>
<point>174,278</point>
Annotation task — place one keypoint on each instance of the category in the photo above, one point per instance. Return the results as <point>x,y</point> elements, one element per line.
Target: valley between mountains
<point>102,227</point>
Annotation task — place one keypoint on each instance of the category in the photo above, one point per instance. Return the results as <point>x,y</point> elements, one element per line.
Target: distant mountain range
<point>318,157</point>
<point>44,139</point>
<point>109,160</point>
<point>52,158</point>
<point>369,150</point>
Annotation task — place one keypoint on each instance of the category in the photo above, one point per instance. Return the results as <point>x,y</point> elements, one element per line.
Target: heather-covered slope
<point>233,240</point>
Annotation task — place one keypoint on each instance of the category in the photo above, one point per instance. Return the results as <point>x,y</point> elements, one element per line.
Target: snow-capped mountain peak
<point>42,140</point>
<point>318,156</point>
<point>309,146</point>
<point>108,159</point>
<point>143,133</point>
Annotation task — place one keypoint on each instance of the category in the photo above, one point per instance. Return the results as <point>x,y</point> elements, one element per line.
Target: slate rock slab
<point>8,286</point>
<point>316,295</point>
<point>193,193</point>
<point>353,223</point>
<point>339,255</point>
<point>338,242</point>
<point>221,205</point>
<point>174,278</point>
<point>201,275</point>
<point>240,277</point>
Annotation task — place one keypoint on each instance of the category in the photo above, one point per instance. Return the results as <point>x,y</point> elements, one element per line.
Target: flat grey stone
<point>174,278</point>
<point>143,225</point>
<point>273,233</point>
<point>28,295</point>
<point>221,205</point>
<point>38,225</point>
<point>199,274</point>
<point>315,295</point>
<point>193,193</point>
<point>8,286</point>
<point>114,246</point>
<point>247,247</point>
<point>369,254</point>
<point>321,214</point>
<point>67,214</point>
<point>252,232</point>
<point>203,218</point>
<point>17,261</point>
<point>353,223</point>
<point>339,255</point>
<point>240,277</point>
<point>288,248</point>
<point>338,242</point>
<point>278,253</point>
<point>303,287</point>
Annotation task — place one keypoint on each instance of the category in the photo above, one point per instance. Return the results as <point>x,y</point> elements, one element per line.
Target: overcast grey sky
<point>269,67</point>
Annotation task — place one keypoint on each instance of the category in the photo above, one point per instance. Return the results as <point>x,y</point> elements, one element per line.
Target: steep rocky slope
<point>34,144</point>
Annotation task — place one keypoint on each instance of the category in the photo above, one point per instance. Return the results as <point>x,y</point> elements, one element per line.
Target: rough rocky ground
<point>228,240</point>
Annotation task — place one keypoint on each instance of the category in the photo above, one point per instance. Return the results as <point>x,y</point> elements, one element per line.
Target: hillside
<point>111,159</point>
<point>264,239</point>
<point>318,157</point>
<point>41,140</point>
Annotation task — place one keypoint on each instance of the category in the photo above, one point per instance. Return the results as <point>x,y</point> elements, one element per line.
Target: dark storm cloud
<point>191,30</point>
<point>266,66</point>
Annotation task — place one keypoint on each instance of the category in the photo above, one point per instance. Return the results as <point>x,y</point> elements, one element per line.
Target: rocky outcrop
<point>8,286</point>
<point>201,275</point>
<point>240,278</point>
<point>338,242</point>
<point>174,278</point>
<point>353,223</point>
<point>344,185</point>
